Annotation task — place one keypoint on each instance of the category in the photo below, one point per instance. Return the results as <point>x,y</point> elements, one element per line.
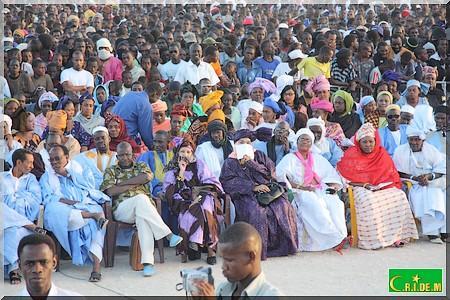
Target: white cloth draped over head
<point>414,130</point>
<point>304,131</point>
<point>322,143</point>
<point>423,118</point>
<point>258,107</point>
<point>8,120</point>
<point>47,96</point>
<point>282,81</point>
<point>408,109</point>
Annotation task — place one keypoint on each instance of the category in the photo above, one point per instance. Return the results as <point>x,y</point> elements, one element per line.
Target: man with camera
<point>240,247</point>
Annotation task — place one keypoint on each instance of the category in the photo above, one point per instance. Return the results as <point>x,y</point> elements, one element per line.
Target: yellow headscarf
<point>210,100</point>
<point>57,119</point>
<point>217,114</point>
<point>348,99</point>
<point>391,98</point>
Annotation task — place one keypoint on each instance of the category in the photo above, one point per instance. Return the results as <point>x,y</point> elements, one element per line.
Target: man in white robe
<point>423,165</point>
<point>320,212</point>
<point>100,158</point>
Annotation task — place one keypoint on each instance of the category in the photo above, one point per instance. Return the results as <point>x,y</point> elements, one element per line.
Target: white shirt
<point>54,291</point>
<point>396,135</point>
<point>193,73</point>
<point>6,91</point>
<point>77,78</point>
<point>259,287</point>
<point>169,69</point>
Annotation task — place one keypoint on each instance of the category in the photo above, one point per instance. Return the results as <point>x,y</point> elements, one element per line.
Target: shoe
<point>211,260</point>
<point>149,270</point>
<point>436,241</point>
<point>175,240</point>
<point>193,255</point>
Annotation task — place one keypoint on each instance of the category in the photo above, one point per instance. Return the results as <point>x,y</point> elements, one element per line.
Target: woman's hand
<point>244,159</point>
<point>69,126</point>
<point>262,188</point>
<point>182,164</point>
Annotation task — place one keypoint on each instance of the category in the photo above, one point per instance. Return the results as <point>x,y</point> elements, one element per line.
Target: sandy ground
<point>357,272</point>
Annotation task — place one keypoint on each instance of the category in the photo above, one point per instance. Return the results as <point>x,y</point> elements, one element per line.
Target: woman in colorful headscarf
<point>319,87</point>
<point>435,96</point>
<point>11,106</point>
<point>367,111</point>
<point>86,115</point>
<point>45,104</point>
<point>384,99</point>
<point>23,123</point>
<point>344,114</point>
<point>57,123</point>
<point>271,113</point>
<point>160,122</point>
<point>101,95</point>
<point>383,214</point>
<point>189,94</point>
<point>198,209</point>
<point>322,108</point>
<point>177,117</point>
<point>243,179</point>
<point>117,130</point>
<point>314,183</point>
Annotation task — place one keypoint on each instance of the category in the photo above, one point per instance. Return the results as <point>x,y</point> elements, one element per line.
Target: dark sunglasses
<point>393,117</point>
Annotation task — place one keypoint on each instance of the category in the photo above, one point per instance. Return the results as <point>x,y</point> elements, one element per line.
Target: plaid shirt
<point>345,75</point>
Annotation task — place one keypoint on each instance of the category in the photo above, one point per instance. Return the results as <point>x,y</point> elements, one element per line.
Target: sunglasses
<point>390,117</point>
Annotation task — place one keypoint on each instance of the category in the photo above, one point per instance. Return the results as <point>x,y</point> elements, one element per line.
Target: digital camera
<point>191,275</point>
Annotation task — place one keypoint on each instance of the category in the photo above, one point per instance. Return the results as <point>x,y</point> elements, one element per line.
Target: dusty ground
<point>357,272</point>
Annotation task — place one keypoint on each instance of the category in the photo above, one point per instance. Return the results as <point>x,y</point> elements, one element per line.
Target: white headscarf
<point>322,144</point>
<point>304,131</point>
<point>7,119</point>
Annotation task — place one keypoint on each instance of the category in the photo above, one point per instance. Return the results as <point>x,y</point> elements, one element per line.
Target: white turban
<point>317,122</point>
<point>104,42</point>
<point>47,96</point>
<point>100,129</point>
<point>413,130</point>
<point>256,106</point>
<point>408,109</point>
<point>305,131</point>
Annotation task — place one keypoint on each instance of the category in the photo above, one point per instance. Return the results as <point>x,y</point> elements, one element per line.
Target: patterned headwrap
<point>179,109</point>
<point>317,84</point>
<point>423,87</point>
<point>47,96</point>
<point>159,106</point>
<point>263,83</point>
<point>325,105</point>
<point>365,130</point>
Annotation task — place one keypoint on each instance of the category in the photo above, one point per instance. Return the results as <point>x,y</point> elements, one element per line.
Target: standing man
<point>135,109</point>
<point>76,79</point>
<point>169,69</point>
<point>127,183</point>
<point>111,66</point>
<point>267,63</point>
<point>196,69</point>
<point>19,188</point>
<point>37,256</point>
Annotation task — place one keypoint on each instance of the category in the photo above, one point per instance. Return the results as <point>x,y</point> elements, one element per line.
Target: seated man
<point>101,157</point>
<point>127,183</point>
<point>15,227</point>
<point>73,209</point>
<point>325,146</point>
<point>19,188</point>
<point>43,148</point>
<point>157,160</point>
<point>424,165</point>
<point>438,138</point>
<point>279,145</point>
<point>240,246</point>
<point>394,134</point>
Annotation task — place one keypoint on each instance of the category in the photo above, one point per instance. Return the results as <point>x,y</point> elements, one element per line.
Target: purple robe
<point>276,223</point>
<point>198,222</point>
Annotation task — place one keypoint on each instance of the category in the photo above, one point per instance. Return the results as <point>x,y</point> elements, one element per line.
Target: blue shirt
<point>266,68</point>
<point>135,109</point>
<point>245,74</point>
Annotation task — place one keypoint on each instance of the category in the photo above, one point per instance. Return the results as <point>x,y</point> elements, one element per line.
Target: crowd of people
<point>262,114</point>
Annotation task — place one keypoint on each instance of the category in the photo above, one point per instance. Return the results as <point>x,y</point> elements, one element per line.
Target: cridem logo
<point>415,280</point>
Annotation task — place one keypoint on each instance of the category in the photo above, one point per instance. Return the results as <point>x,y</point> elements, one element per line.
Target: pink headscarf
<point>263,83</point>
<point>325,105</point>
<point>429,70</point>
<point>159,106</point>
<point>317,84</point>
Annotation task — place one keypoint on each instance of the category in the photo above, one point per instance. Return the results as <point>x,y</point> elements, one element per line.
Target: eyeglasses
<point>390,117</point>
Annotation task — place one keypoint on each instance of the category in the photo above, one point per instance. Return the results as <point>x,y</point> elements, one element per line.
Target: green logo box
<point>415,280</point>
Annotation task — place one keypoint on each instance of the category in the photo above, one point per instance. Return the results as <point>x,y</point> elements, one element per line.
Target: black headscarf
<point>225,143</point>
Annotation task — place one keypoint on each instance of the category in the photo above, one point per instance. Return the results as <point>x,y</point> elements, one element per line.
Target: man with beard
<point>217,149</point>
<point>100,158</point>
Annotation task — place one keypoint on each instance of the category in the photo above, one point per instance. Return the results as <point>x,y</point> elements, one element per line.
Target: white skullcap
<point>305,131</point>
<point>283,26</point>
<point>413,130</point>
<point>256,106</point>
<point>100,129</point>
<point>408,109</point>
<point>297,53</point>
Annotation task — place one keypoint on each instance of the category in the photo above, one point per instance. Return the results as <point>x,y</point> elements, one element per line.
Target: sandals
<point>15,277</point>
<point>398,244</point>
<point>40,230</point>
<point>193,254</point>
<point>95,277</point>
<point>211,260</point>
<point>102,223</point>
<point>341,245</point>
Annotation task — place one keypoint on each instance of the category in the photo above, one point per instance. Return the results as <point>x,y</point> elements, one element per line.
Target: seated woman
<point>8,144</point>
<point>23,123</point>
<point>177,118</point>
<point>117,130</point>
<point>243,179</point>
<point>192,193</point>
<point>323,145</point>
<point>100,95</point>
<point>343,113</point>
<point>383,214</point>
<point>314,182</point>
<point>86,115</point>
<point>160,122</point>
<point>322,108</point>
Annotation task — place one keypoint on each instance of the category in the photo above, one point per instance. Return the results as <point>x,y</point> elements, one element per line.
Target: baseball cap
<point>295,54</point>
<point>283,26</point>
<point>209,41</point>
<point>189,37</point>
